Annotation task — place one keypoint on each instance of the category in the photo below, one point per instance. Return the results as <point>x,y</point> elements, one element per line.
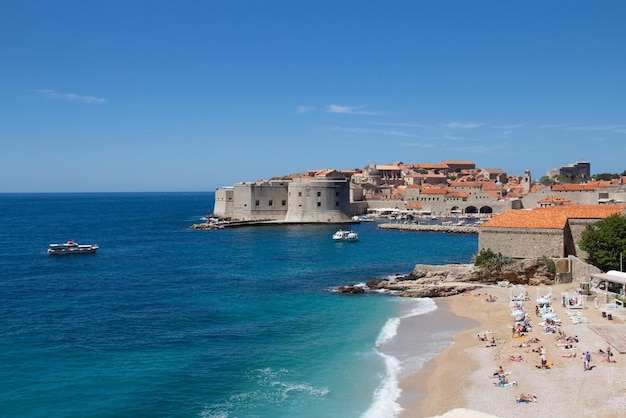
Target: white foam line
<point>385,397</point>
<point>385,405</point>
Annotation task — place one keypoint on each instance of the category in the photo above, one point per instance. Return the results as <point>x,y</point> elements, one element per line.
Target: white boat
<point>71,247</point>
<point>362,218</point>
<point>345,235</point>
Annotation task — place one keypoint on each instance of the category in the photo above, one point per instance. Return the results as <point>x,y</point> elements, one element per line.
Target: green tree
<point>605,240</point>
<point>545,180</point>
<point>605,176</point>
<point>491,261</point>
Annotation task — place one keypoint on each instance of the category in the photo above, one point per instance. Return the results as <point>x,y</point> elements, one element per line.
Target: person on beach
<point>526,397</point>
<point>544,362</point>
<point>587,360</point>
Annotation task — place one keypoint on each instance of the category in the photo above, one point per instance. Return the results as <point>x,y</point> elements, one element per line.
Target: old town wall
<point>523,242</point>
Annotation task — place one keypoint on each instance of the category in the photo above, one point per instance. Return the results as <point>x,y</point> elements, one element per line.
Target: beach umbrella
<point>549,315</point>
<point>518,313</point>
<point>542,301</point>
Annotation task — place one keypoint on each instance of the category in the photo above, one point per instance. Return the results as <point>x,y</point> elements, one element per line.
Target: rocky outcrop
<point>530,271</point>
<point>451,279</point>
<point>351,289</point>
<point>429,281</point>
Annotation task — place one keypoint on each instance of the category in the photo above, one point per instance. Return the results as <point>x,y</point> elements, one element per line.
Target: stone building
<point>324,198</point>
<point>584,194</point>
<point>553,231</point>
<point>581,169</point>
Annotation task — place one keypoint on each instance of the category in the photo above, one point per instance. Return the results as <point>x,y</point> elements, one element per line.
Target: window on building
<point>336,203</point>
<point>319,204</point>
<point>284,202</point>
<point>299,194</point>
<point>270,203</point>
<point>256,203</point>
<point>319,194</point>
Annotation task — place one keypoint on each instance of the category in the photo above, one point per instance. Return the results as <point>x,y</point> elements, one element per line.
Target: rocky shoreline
<point>433,281</point>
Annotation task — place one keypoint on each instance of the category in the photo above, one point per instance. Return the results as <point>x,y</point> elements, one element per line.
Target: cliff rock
<point>451,279</point>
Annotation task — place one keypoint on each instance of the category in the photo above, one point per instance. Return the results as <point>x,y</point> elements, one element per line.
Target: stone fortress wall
<point>299,200</point>
<point>523,243</point>
<point>318,200</point>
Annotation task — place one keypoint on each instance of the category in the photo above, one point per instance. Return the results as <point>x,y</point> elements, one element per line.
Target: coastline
<point>457,381</point>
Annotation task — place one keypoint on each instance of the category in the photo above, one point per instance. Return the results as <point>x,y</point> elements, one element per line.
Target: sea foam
<point>385,403</point>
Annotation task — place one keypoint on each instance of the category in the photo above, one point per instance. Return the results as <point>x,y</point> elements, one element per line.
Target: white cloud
<point>418,144</point>
<point>54,95</point>
<point>373,131</point>
<point>602,128</point>
<point>462,125</point>
<point>402,125</point>
<point>305,109</point>
<point>553,125</point>
<point>349,110</point>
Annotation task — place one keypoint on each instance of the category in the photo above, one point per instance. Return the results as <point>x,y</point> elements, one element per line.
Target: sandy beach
<point>459,382</point>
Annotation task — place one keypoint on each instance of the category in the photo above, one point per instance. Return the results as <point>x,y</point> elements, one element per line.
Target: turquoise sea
<point>168,322</point>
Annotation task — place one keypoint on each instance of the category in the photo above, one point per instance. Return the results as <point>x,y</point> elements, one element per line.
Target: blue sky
<point>109,95</point>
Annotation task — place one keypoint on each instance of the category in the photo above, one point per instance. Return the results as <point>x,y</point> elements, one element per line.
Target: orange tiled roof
<point>457,162</point>
<point>491,186</point>
<point>457,194</point>
<point>387,167</point>
<point>555,200</point>
<point>427,166</point>
<point>515,193</point>
<point>435,190</point>
<point>551,217</point>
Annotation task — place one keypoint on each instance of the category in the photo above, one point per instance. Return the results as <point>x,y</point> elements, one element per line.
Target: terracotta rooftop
<point>457,162</point>
<point>458,195</point>
<point>387,167</point>
<point>435,190</point>
<point>555,200</point>
<point>552,217</point>
<point>491,186</point>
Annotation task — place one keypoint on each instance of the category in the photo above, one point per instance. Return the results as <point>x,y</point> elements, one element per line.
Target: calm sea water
<point>165,321</point>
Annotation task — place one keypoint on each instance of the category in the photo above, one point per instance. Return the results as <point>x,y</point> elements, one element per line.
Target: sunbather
<point>526,397</point>
<point>566,346</point>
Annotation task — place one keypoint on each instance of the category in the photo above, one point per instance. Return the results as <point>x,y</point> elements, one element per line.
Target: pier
<point>457,229</point>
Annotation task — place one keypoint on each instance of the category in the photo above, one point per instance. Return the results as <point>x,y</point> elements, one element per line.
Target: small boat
<point>345,235</point>
<point>71,247</point>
